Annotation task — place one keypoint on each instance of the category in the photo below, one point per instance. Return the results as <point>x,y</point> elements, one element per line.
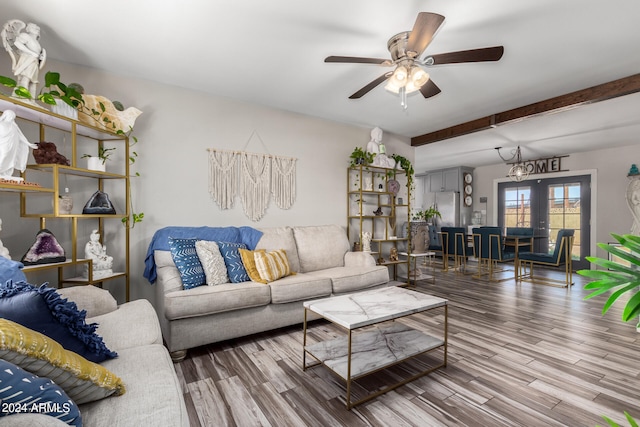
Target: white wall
<point>609,206</point>
<point>175,130</point>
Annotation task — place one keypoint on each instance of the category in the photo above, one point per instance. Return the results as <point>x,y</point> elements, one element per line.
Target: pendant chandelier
<point>519,171</point>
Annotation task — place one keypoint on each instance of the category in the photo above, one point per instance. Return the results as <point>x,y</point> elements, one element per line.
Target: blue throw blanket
<point>11,270</point>
<point>160,241</point>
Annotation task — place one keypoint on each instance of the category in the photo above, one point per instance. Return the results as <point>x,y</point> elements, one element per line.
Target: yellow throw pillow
<point>249,263</point>
<point>272,265</point>
<point>82,380</point>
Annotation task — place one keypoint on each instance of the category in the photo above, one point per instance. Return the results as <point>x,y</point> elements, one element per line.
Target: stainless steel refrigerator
<point>448,203</point>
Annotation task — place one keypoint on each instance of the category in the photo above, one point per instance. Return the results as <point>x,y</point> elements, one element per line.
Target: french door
<point>547,205</point>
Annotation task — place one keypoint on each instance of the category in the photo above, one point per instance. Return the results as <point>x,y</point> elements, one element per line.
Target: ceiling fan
<point>406,48</point>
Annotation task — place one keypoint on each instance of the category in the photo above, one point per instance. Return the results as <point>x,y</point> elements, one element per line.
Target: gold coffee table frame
<point>376,309</point>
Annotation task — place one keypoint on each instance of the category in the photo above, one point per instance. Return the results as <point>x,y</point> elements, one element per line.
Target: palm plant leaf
<point>618,277</point>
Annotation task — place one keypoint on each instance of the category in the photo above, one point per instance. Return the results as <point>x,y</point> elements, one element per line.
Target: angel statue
<point>27,56</point>
<point>14,147</point>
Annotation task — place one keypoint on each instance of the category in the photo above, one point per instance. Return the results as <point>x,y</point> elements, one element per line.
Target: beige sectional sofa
<point>153,394</point>
<point>324,266</point>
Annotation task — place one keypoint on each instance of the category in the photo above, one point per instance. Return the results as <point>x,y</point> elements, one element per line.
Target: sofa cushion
<point>215,270</point>
<point>22,391</point>
<point>321,247</point>
<point>299,287</point>
<point>235,269</point>
<point>272,265</point>
<point>215,299</point>
<point>280,238</point>
<point>349,279</point>
<point>93,300</point>
<point>43,310</point>
<point>185,257</point>
<point>153,397</point>
<point>82,380</point>
<point>138,318</point>
<point>249,262</point>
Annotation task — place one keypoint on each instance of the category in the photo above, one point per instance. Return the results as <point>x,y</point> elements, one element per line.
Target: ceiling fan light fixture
<point>418,77</point>
<point>392,87</point>
<point>399,77</point>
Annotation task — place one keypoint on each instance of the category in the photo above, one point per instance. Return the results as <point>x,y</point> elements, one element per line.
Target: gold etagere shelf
<point>367,188</point>
<point>45,120</point>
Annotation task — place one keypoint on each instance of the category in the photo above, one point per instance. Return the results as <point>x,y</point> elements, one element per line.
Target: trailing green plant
<point>620,279</point>
<point>135,217</point>
<point>360,157</point>
<point>53,89</point>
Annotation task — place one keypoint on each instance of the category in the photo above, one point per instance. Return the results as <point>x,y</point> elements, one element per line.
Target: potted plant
<point>99,163</point>
<point>360,157</point>
<point>427,215</point>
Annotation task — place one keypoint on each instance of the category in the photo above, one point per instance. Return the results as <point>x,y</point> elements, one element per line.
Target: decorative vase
<point>95,164</point>
<point>65,204</point>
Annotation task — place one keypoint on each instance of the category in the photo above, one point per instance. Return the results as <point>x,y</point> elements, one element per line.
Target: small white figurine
<point>375,146</point>
<point>97,252</point>
<point>28,57</point>
<point>4,252</point>
<point>366,241</point>
<point>14,147</point>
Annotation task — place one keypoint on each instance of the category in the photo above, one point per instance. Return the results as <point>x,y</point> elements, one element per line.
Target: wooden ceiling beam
<point>602,92</point>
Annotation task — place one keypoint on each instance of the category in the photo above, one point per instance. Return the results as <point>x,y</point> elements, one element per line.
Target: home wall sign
<point>544,165</point>
<point>254,178</point>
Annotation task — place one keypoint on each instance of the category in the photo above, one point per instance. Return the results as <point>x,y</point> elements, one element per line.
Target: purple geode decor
<point>45,250</point>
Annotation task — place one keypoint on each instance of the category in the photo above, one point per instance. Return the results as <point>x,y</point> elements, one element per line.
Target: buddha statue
<point>97,252</point>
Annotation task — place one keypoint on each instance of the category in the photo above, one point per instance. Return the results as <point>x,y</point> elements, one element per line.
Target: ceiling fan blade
<point>429,89</point>
<point>357,60</point>
<point>423,30</point>
<point>472,55</point>
<point>367,88</point>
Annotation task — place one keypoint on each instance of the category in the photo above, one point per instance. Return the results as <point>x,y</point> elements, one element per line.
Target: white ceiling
<point>272,52</point>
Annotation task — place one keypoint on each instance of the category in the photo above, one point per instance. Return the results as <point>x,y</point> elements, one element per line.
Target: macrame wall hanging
<point>253,177</point>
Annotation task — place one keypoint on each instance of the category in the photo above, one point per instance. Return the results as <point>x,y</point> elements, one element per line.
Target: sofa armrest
<point>87,297</point>
<point>31,420</point>
<point>359,259</point>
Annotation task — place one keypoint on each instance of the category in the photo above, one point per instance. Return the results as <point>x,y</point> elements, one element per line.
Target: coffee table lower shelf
<point>368,351</point>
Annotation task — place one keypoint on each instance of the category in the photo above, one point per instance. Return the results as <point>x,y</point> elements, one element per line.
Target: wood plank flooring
<point>519,355</point>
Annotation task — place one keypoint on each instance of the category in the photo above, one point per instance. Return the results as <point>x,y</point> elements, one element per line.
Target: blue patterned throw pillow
<point>43,310</point>
<point>233,261</point>
<point>185,257</point>
<point>21,391</point>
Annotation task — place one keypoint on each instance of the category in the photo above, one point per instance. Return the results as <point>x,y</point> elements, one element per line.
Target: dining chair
<point>489,250</point>
<point>454,245</point>
<point>522,232</point>
<point>561,256</point>
<point>435,241</point>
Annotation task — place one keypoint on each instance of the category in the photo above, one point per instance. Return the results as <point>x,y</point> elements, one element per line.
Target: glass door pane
<point>517,207</point>
<point>565,212</point>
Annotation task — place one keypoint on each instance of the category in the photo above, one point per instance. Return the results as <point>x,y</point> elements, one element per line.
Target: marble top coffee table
<point>382,342</point>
